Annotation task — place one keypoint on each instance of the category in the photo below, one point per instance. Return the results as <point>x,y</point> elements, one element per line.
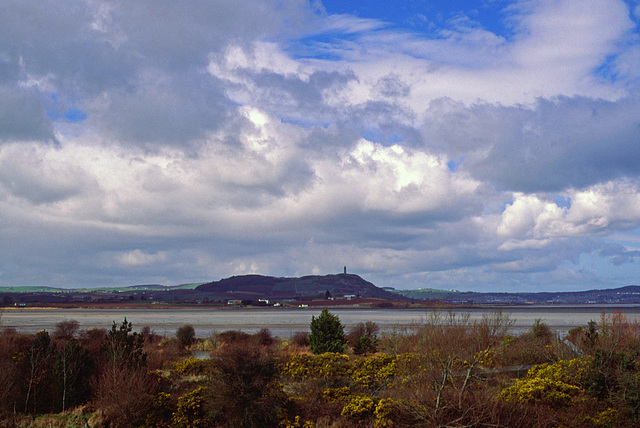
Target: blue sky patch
<point>74,115</point>
<point>57,110</point>
<point>562,201</point>
<point>428,17</point>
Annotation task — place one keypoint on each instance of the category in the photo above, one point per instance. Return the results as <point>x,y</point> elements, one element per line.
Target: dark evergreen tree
<point>327,333</point>
<point>124,347</point>
<point>73,369</point>
<point>36,364</point>
<point>124,387</point>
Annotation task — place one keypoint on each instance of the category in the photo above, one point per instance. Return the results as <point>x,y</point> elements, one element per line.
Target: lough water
<point>284,322</point>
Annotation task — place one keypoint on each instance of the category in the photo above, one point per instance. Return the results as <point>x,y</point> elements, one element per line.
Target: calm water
<point>284,322</point>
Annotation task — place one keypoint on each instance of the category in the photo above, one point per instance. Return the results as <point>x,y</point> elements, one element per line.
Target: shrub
<point>126,398</point>
<point>300,338</point>
<point>186,335</point>
<point>264,337</point>
<point>363,338</point>
<point>541,330</point>
<point>124,388</point>
<point>149,335</point>
<point>244,391</point>
<point>160,412</point>
<point>536,346</point>
<point>233,336</point>
<point>66,330</point>
<point>163,354</point>
<point>363,329</point>
<point>365,345</point>
<point>94,340</point>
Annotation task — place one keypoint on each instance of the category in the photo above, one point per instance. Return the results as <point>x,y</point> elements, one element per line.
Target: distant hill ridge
<point>338,285</point>
<point>259,287</point>
<point>629,294</point>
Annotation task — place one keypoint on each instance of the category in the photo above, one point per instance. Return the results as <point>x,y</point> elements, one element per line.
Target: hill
<point>306,287</point>
<point>341,287</point>
<point>245,288</point>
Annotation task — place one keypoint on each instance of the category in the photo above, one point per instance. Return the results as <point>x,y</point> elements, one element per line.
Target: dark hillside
<point>267,287</point>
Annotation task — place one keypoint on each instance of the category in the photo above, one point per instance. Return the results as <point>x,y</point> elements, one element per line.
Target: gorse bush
<point>192,366</point>
<point>552,384</point>
<point>373,373</point>
<point>384,413</point>
<point>337,395</point>
<point>190,411</point>
<point>329,364</point>
<point>358,407</point>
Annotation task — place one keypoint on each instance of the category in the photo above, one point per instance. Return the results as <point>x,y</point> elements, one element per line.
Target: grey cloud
<point>83,50</point>
<point>173,110</point>
<point>626,257</point>
<point>385,118</point>
<point>619,255</point>
<point>292,98</point>
<point>53,40</point>
<point>22,116</point>
<point>175,35</point>
<point>392,86</point>
<point>328,140</point>
<point>559,144</point>
<point>26,175</point>
<point>106,38</point>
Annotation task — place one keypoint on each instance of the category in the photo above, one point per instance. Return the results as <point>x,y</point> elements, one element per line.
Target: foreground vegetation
<point>444,371</point>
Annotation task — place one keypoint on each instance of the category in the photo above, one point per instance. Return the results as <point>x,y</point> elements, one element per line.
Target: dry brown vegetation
<point>444,371</point>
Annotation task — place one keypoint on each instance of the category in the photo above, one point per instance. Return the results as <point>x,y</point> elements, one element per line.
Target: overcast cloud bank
<point>150,142</point>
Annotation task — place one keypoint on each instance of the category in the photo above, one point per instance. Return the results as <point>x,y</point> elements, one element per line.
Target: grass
<point>425,293</point>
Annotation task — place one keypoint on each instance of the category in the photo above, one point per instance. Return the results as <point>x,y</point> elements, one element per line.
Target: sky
<point>477,145</point>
